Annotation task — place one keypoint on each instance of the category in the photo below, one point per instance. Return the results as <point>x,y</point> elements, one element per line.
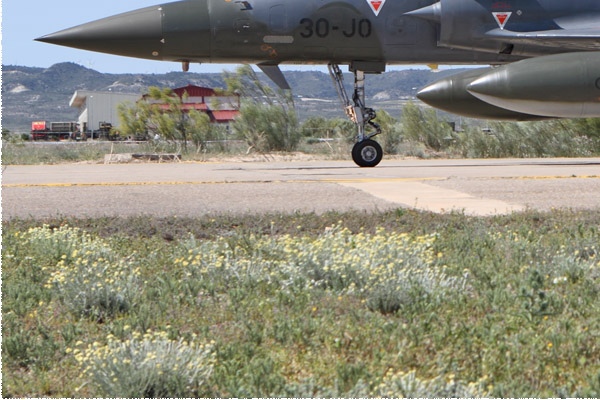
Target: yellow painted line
<point>326,180</point>
<point>174,183</point>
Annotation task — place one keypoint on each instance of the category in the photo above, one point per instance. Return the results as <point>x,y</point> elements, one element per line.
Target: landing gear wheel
<point>367,153</point>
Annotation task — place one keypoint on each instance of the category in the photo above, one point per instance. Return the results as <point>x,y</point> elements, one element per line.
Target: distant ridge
<point>32,93</point>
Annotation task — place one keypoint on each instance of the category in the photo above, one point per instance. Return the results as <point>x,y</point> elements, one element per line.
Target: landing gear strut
<point>366,152</point>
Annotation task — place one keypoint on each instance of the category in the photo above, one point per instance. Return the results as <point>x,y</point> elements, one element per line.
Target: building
<point>221,109</point>
<point>97,108</point>
<point>100,109</point>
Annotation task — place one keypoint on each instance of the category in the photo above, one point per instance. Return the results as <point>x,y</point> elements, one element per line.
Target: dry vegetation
<point>337,305</point>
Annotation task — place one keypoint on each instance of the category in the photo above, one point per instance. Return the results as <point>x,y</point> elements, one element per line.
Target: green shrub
<point>88,278</point>
<point>148,365</point>
<point>408,385</point>
<point>388,270</point>
<point>50,244</point>
<point>94,286</point>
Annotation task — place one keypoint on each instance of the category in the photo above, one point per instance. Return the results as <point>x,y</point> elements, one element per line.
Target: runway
<point>475,187</point>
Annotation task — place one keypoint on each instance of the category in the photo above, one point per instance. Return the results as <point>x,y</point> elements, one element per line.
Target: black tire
<point>367,153</point>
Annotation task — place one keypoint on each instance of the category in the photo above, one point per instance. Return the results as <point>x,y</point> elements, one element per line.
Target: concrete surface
<point>476,187</point>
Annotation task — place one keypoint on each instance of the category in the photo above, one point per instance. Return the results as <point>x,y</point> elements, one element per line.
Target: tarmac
<point>474,187</point>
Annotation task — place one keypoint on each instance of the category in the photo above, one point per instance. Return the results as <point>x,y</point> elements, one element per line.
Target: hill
<point>30,93</point>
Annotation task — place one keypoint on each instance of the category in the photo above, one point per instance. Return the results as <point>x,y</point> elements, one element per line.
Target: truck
<point>44,130</point>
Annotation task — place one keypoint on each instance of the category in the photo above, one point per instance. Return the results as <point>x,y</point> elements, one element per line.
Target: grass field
<point>391,304</point>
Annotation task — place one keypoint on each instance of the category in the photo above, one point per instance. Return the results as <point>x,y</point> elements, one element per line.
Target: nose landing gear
<point>366,152</point>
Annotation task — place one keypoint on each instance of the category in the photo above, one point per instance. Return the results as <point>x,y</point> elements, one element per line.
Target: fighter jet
<point>543,55</point>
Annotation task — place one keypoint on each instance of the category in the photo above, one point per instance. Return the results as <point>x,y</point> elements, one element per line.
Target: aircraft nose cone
<point>135,34</point>
<point>436,93</point>
<point>493,83</point>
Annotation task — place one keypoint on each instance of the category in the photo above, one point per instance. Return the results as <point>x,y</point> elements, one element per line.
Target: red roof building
<point>221,109</point>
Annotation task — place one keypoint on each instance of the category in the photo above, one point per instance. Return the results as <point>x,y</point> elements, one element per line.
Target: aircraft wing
<point>574,39</point>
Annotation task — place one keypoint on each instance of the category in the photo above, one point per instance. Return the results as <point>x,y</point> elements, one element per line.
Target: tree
<point>162,113</point>
<point>425,127</point>
<point>267,119</point>
<point>391,129</point>
<point>328,128</point>
<point>589,127</point>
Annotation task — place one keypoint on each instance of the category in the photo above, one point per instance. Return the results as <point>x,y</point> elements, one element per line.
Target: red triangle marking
<point>502,18</point>
<point>376,4</point>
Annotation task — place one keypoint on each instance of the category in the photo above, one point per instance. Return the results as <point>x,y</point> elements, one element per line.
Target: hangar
<point>96,108</point>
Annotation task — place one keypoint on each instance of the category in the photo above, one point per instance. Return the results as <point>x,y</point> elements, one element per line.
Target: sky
<point>25,20</point>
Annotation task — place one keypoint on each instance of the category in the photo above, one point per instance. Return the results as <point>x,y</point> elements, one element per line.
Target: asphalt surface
<point>476,187</point>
